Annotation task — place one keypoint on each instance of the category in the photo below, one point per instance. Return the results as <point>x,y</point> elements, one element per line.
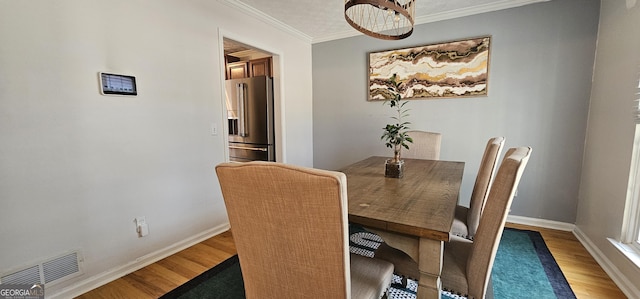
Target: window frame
<point>629,242</point>
<point>630,234</point>
<point>631,221</point>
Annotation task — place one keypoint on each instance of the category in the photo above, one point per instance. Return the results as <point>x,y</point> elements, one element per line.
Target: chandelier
<point>384,19</point>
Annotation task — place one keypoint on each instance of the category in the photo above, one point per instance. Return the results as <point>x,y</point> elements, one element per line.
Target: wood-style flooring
<point>586,277</point>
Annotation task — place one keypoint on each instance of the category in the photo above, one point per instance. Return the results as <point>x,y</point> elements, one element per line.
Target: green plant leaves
<point>395,135</point>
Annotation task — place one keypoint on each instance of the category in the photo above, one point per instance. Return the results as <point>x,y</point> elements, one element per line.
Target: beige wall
<point>610,133</point>
<point>76,167</point>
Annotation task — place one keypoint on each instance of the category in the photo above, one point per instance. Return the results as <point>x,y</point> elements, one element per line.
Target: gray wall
<point>539,84</point>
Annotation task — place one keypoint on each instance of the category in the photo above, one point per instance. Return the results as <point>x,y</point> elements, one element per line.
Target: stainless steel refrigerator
<point>250,116</point>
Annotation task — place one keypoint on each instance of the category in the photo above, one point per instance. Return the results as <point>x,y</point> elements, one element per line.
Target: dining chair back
<point>467,266</point>
<point>290,229</point>
<point>466,220</point>
<point>425,145</point>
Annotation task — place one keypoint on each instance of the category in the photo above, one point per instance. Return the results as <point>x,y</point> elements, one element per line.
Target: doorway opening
<point>252,103</point>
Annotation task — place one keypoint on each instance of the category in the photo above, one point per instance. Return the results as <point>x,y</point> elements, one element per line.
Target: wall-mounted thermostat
<point>113,84</point>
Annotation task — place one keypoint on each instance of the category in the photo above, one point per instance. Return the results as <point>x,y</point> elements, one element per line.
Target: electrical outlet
<point>141,226</point>
<point>140,220</point>
<point>516,193</point>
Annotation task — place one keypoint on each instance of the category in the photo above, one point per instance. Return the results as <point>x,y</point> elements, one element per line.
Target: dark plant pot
<point>393,169</point>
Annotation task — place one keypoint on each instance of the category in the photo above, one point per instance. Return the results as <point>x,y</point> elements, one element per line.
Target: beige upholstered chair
<point>426,145</point>
<point>290,229</point>
<point>467,266</point>
<point>467,219</point>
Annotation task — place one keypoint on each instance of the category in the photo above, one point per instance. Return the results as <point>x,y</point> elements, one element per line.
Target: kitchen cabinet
<point>237,70</point>
<point>248,69</point>
<point>260,67</point>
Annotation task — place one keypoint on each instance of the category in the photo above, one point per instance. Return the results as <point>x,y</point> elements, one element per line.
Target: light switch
<point>214,129</point>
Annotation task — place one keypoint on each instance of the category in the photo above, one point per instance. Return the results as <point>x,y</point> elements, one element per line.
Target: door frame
<point>277,62</point>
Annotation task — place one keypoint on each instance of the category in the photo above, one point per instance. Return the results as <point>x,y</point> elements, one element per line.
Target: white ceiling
<point>323,20</point>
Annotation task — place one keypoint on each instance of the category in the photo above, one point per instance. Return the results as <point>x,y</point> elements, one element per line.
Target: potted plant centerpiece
<point>395,134</point>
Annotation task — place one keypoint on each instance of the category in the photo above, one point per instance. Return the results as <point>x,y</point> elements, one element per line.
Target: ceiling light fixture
<point>384,19</point>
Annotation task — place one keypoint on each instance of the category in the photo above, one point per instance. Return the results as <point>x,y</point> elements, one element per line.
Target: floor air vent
<point>30,275</point>
<point>47,272</point>
<point>60,267</point>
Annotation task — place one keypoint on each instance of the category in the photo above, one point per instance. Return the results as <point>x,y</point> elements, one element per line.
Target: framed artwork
<point>444,70</point>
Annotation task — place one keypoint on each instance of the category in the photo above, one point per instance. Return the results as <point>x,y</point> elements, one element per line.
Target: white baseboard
<point>628,288</point>
<point>569,227</point>
<point>103,278</point>
<point>98,280</point>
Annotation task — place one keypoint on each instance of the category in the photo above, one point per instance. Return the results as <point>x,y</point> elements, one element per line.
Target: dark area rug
<point>224,281</point>
<point>524,265</point>
<point>524,268</point>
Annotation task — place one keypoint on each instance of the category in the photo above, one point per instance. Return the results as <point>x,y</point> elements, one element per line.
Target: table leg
<point>427,252</point>
<point>430,265</point>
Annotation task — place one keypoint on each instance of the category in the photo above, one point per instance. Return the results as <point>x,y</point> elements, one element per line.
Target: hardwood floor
<point>165,275</point>
<point>586,277</point>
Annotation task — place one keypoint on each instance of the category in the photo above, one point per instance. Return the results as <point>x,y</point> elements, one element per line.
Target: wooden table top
<point>422,203</point>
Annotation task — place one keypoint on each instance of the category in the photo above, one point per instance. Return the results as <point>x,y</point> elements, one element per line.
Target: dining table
<point>413,213</point>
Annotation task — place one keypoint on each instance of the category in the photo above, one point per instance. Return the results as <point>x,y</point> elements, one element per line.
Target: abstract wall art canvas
<point>450,69</point>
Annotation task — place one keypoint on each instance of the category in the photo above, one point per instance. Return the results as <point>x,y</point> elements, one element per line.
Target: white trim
<point>628,288</point>
<point>569,227</point>
<point>279,107</point>
<point>474,10</point>
<point>335,36</point>
<point>277,63</point>
<point>103,278</point>
<point>267,19</point>
<point>223,95</point>
<point>494,6</point>
<point>448,15</point>
<point>627,250</point>
<point>93,282</point>
<point>630,221</point>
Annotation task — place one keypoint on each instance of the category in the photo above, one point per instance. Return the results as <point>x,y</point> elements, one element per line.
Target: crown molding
<point>337,35</point>
<point>458,13</point>
<point>474,10</point>
<point>267,19</point>
<point>452,14</point>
